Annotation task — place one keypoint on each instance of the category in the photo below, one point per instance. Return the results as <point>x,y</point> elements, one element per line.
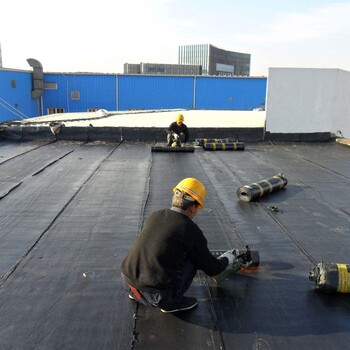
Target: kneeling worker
<point>163,261</point>
<point>177,133</point>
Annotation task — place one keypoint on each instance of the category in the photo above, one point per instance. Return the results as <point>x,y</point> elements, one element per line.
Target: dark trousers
<point>163,297</point>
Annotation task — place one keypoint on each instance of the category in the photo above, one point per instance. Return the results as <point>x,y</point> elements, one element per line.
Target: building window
<point>50,86</point>
<point>55,110</point>
<point>13,84</point>
<point>92,109</point>
<point>75,95</point>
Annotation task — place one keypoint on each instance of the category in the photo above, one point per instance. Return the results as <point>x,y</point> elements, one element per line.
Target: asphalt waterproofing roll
<point>233,146</point>
<point>331,277</point>
<point>172,149</point>
<point>259,189</point>
<point>202,141</point>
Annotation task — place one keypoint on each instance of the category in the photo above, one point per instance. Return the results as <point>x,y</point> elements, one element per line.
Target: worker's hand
<point>229,256</point>
<point>175,135</point>
<point>235,266</point>
<point>230,269</point>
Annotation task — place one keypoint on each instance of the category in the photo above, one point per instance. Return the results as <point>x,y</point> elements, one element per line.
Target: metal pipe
<point>194,92</point>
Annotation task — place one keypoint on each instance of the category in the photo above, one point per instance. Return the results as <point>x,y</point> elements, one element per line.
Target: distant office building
<point>162,69</point>
<point>215,61</point>
<point>132,68</point>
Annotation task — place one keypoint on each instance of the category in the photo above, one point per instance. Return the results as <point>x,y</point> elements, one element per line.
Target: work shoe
<point>181,304</point>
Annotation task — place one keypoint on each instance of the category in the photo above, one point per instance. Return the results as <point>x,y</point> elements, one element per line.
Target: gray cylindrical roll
<point>256,190</point>
<point>331,277</point>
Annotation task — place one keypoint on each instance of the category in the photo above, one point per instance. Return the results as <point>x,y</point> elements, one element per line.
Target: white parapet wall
<point>341,118</point>
<point>308,100</point>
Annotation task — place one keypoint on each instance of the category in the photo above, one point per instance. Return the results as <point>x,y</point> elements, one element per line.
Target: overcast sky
<point>102,35</point>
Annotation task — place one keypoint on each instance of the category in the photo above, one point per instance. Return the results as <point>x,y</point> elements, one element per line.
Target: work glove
<point>229,255</point>
<point>233,266</point>
<point>175,135</point>
<point>230,269</point>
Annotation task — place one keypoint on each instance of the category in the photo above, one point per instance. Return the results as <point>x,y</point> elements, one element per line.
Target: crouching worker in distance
<point>163,261</point>
<point>177,133</point>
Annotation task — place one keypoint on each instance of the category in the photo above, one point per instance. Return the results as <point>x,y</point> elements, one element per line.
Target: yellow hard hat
<point>194,188</point>
<point>180,118</point>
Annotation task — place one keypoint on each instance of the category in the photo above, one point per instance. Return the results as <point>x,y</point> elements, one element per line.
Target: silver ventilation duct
<point>38,80</point>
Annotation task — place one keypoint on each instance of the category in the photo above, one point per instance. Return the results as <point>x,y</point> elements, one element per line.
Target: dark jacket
<point>174,127</point>
<point>156,260</point>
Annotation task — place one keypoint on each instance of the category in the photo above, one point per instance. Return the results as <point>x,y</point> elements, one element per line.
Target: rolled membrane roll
<point>201,142</point>
<point>235,146</point>
<point>256,190</point>
<point>172,149</point>
<point>331,277</point>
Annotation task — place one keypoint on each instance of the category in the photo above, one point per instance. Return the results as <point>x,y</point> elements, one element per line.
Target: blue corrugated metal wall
<point>96,91</point>
<point>128,92</point>
<point>16,102</point>
<point>161,92</point>
<point>230,93</point>
<point>154,92</point>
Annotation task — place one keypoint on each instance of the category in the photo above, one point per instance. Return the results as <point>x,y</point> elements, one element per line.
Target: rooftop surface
<point>69,212</point>
<point>155,118</point>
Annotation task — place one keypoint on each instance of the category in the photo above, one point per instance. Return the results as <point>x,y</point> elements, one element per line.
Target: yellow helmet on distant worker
<point>180,118</point>
<point>193,188</point>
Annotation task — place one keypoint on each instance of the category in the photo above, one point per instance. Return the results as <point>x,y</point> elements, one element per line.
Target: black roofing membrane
<point>69,212</point>
<point>115,134</point>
